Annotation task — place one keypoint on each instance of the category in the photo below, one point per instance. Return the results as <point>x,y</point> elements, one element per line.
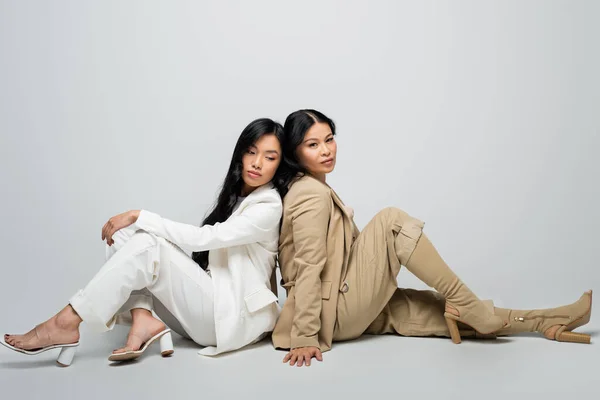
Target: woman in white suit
<point>219,296</point>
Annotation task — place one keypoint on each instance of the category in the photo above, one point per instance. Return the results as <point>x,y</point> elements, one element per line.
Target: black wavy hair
<point>233,183</point>
<point>295,127</point>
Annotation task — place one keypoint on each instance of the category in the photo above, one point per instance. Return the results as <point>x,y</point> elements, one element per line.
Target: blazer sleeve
<point>310,216</point>
<point>254,224</point>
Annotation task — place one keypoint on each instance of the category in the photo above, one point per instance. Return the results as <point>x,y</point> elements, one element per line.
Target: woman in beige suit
<point>342,283</point>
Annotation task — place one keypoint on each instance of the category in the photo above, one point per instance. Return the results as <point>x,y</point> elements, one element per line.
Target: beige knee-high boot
<point>553,323</point>
<point>427,265</point>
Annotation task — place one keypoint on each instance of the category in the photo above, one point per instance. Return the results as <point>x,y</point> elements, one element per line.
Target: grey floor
<point>371,366</point>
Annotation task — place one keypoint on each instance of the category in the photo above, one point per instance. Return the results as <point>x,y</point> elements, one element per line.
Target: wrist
<point>303,341</point>
<point>134,215</point>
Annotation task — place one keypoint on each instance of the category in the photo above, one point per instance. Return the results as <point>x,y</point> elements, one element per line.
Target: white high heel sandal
<point>65,358</point>
<point>166,347</point>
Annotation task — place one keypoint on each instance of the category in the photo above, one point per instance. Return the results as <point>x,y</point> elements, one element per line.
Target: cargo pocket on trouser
<point>409,231</point>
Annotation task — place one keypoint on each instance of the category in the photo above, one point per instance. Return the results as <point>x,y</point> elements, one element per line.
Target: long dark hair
<point>233,183</point>
<point>295,127</point>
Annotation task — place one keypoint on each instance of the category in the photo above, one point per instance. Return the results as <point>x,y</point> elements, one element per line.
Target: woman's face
<point>260,162</point>
<point>317,151</point>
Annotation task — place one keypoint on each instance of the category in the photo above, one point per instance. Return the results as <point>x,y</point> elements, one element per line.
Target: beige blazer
<point>314,246</point>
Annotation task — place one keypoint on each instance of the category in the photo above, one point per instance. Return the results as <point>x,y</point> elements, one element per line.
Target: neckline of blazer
<point>336,198</point>
<point>250,198</point>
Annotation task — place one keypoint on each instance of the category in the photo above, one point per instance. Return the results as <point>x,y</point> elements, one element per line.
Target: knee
<point>393,214</point>
<point>141,240</point>
<point>399,220</point>
<point>122,236</point>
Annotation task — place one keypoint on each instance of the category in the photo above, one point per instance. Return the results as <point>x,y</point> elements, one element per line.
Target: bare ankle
<point>140,313</point>
<point>67,318</point>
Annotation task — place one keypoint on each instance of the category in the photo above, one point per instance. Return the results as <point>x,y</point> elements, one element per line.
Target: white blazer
<point>241,259</point>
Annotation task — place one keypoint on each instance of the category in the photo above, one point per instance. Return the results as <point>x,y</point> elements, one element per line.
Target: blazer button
<point>345,287</point>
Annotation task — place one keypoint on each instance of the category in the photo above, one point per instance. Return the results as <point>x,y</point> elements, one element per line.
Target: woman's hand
<point>118,222</point>
<point>303,354</point>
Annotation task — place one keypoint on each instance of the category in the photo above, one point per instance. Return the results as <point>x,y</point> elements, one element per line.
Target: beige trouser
<point>373,303</point>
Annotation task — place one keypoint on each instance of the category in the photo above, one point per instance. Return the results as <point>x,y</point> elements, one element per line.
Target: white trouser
<point>179,291</point>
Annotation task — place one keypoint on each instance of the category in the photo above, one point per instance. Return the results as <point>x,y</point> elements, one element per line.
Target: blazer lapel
<point>341,205</point>
<point>336,198</point>
<point>252,197</point>
<point>339,202</point>
<point>348,230</point>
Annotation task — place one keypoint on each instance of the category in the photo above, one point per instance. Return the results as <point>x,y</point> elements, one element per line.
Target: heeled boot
<point>566,318</point>
<point>468,332</point>
<point>427,265</point>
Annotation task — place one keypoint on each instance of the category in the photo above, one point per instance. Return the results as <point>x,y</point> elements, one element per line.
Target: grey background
<point>480,118</point>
